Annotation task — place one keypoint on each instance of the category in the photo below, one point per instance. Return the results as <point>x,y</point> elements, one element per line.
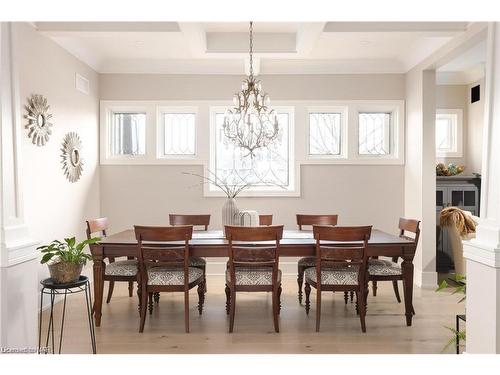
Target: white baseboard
<point>425,279</point>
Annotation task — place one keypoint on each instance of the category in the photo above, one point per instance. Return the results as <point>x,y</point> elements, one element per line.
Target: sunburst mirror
<point>71,158</point>
<point>38,120</point>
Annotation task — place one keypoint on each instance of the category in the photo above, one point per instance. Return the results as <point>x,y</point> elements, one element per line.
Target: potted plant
<point>66,259</point>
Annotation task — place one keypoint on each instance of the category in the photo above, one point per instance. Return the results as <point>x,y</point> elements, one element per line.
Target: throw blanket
<point>464,223</point>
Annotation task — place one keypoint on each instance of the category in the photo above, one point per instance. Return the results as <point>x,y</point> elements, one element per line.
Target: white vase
<point>229,212</point>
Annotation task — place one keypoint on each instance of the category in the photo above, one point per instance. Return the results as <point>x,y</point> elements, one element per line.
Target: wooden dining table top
<point>290,238</point>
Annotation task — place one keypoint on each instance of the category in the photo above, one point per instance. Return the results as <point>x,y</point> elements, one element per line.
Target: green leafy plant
<point>67,251</point>
<point>460,285</point>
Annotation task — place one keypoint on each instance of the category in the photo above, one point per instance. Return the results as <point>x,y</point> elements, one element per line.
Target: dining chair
<point>305,262</point>
<point>164,266</point>
<point>341,265</point>
<point>115,270</point>
<point>390,270</point>
<point>253,266</point>
<point>265,219</point>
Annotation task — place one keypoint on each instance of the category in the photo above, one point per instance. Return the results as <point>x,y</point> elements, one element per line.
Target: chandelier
<point>251,124</point>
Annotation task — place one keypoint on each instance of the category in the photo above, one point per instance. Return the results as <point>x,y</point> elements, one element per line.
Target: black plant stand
<point>457,336</point>
<point>52,289</point>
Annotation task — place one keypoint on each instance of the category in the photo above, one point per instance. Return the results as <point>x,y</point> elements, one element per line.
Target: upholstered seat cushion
<point>172,275</point>
<point>307,262</point>
<point>334,276</point>
<point>122,268</point>
<point>197,262</point>
<point>253,276</point>
<point>381,267</point>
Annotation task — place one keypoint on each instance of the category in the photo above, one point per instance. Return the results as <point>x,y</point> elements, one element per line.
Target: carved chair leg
<point>228,299</point>
<point>205,278</point>
<point>307,289</point>
<point>156,296</point>
<point>142,308</point>
<point>362,310</point>
<point>374,287</point>
<point>130,288</point>
<point>110,291</point>
<point>275,299</point>
<point>232,311</point>
<point>346,297</point>
<point>186,311</point>
<point>201,296</point>
<point>357,303</point>
<point>318,309</point>
<point>139,296</point>
<point>396,290</point>
<point>352,296</point>
<point>300,281</point>
<point>150,303</point>
<point>279,299</point>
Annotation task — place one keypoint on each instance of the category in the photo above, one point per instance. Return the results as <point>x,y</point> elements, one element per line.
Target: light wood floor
<point>340,328</point>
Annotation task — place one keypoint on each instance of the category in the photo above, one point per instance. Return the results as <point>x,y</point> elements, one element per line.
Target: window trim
<point>160,131</point>
<point>344,121</point>
<point>458,112</point>
<point>293,164</point>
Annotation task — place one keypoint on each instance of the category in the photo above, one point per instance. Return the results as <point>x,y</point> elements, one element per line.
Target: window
<point>128,134</point>
<point>374,136</point>
<point>178,133</point>
<point>449,133</point>
<point>325,133</point>
<point>270,170</point>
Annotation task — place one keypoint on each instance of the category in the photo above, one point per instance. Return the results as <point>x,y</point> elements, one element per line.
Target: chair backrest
<point>265,219</point>
<point>411,226</point>
<point>316,220</point>
<point>163,246</point>
<point>99,226</point>
<point>342,246</point>
<point>198,220</point>
<point>262,250</point>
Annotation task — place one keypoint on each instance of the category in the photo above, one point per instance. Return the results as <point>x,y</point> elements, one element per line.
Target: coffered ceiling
<point>280,47</point>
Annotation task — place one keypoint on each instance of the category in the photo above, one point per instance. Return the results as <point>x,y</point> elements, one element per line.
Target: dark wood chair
<point>340,266</point>
<point>164,266</point>
<point>305,262</point>
<point>390,270</point>
<point>115,270</point>
<point>265,219</point>
<point>253,267</point>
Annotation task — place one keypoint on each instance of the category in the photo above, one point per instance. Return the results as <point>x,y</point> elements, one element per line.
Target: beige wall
<point>359,194</point>
<point>54,207</point>
<point>475,120</point>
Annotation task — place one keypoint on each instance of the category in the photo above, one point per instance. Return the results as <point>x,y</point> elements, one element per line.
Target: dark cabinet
<point>457,191</point>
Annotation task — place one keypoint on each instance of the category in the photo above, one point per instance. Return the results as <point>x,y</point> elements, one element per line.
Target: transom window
<point>128,134</point>
<point>268,170</point>
<point>325,131</point>
<point>374,133</point>
<point>449,133</point>
<point>178,134</point>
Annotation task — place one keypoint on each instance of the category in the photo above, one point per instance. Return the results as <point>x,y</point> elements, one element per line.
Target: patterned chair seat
<point>307,262</point>
<point>341,275</point>
<point>172,276</point>
<point>253,276</point>
<point>197,262</point>
<point>381,267</point>
<point>122,268</point>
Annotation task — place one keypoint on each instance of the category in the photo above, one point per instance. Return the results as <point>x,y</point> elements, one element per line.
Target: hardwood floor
<point>253,331</point>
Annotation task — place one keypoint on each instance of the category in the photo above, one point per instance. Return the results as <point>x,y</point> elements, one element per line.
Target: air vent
<point>475,94</point>
<point>82,84</point>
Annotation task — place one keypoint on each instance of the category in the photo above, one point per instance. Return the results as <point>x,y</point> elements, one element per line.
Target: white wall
<point>54,207</point>
<point>475,121</point>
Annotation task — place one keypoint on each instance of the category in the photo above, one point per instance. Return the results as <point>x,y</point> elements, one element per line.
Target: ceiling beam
<point>218,42</point>
<point>196,39</point>
<point>307,35</point>
<point>425,27</point>
<point>65,27</point>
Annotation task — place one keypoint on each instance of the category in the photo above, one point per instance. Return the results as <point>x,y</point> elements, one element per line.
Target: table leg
<point>98,288</point>
<point>407,269</point>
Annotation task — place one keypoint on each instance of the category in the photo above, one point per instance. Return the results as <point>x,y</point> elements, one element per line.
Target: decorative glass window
<point>374,136</point>
<point>449,133</point>
<point>179,134</point>
<point>268,170</point>
<point>128,134</point>
<point>325,133</point>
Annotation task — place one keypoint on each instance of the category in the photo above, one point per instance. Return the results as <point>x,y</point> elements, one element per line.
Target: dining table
<point>294,243</point>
